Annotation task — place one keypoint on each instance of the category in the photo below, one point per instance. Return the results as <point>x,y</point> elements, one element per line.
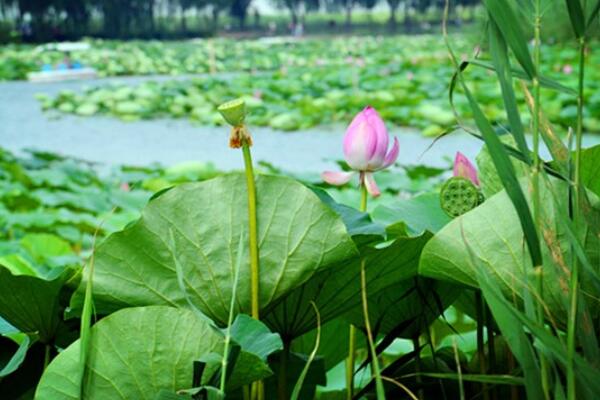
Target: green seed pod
<point>459,195</point>
<point>233,111</point>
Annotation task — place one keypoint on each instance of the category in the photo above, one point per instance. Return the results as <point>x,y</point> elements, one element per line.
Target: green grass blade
<point>558,150</point>
<point>492,379</point>
<point>236,277</point>
<point>510,182</point>
<point>313,354</point>
<point>511,322</point>
<point>519,73</point>
<point>503,14</point>
<point>511,328</point>
<point>499,52</point>
<point>501,160</point>
<point>576,17</point>
<point>593,14</point>
<point>85,326</point>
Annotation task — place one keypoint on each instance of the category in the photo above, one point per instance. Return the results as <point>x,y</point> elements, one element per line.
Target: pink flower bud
<point>464,168</point>
<point>366,143</point>
<point>366,150</point>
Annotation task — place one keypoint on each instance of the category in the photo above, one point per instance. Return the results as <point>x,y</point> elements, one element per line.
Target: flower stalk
<point>234,112</point>
<point>253,228</point>
<point>574,281</point>
<point>366,151</point>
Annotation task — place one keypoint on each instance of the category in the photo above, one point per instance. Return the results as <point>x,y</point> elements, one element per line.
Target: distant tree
<point>393,5</point>
<point>239,10</point>
<point>295,7</point>
<point>348,6</point>
<point>216,8</point>
<point>369,5</point>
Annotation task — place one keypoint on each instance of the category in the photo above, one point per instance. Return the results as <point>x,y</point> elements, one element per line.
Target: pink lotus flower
<point>366,150</point>
<point>464,168</point>
<point>567,69</point>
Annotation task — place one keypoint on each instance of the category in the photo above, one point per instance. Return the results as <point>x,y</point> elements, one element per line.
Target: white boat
<point>62,75</point>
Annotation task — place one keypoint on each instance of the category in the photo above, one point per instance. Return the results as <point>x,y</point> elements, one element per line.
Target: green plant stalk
<point>417,349</point>
<point>352,334</point>
<point>480,341</point>
<point>282,392</point>
<point>47,350</point>
<point>253,228</point>
<point>536,118</point>
<point>227,340</point>
<point>536,184</point>
<point>540,316</point>
<point>350,363</point>
<point>311,358</point>
<point>374,361</point>
<point>489,321</point>
<point>574,281</point>
<point>257,387</point>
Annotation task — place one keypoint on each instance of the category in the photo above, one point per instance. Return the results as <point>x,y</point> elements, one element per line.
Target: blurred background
<point>127,90</point>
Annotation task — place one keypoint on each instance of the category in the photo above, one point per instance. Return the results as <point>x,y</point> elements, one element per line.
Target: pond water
<point>110,141</point>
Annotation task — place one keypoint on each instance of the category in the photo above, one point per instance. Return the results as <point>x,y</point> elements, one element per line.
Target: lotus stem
<point>480,340</point>
<point>418,367</point>
<point>47,350</point>
<point>374,361</point>
<point>350,363</point>
<point>253,228</point>
<point>282,392</point>
<point>489,321</point>
<point>257,387</point>
<point>352,334</point>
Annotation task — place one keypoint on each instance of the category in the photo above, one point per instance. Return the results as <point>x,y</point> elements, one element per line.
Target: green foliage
<point>139,366</point>
<point>291,249</point>
<point>314,82</point>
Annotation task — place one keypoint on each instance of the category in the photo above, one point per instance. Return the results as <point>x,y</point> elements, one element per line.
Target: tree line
<point>37,20</point>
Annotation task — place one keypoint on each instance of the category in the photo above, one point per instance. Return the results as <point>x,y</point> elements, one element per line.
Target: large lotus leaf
<point>11,361</point>
<point>336,290</point>
<point>493,234</point>
<point>137,352</point>
<point>407,307</point>
<point>298,235</point>
<point>31,304</point>
<point>420,213</point>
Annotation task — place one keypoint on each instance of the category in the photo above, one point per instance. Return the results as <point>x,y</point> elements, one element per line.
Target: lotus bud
<point>234,113</point>
<point>465,169</point>
<point>366,150</point>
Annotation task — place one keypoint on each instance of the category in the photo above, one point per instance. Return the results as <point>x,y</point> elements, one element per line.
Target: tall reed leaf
<point>519,73</point>
<point>558,150</point>
<point>499,52</point>
<point>506,19</point>
<point>593,14</point>
<point>500,157</point>
<point>511,328</point>
<point>507,174</point>
<point>576,17</point>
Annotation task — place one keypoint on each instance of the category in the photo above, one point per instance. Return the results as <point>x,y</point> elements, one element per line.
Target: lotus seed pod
<point>459,195</point>
<point>234,112</point>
